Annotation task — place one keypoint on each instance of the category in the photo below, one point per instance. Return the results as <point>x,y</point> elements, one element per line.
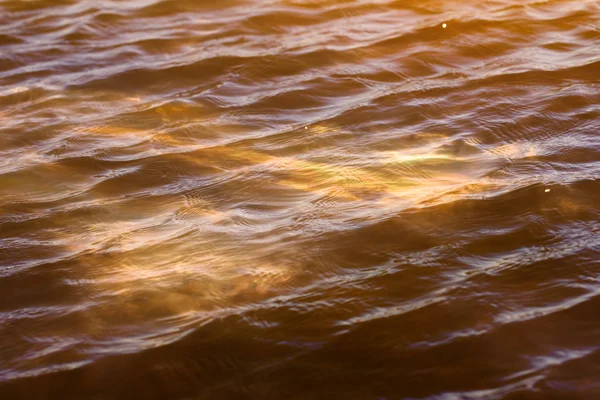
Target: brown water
<point>299,199</point>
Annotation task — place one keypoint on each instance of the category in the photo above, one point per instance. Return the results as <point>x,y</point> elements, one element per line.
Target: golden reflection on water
<point>299,199</point>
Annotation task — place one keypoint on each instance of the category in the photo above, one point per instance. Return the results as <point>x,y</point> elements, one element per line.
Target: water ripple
<point>380,198</point>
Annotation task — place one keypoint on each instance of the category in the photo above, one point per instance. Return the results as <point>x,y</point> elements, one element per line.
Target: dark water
<point>307,199</point>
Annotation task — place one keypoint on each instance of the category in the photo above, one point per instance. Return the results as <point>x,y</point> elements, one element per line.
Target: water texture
<point>299,199</point>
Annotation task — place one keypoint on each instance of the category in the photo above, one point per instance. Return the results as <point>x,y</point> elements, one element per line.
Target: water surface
<point>299,199</point>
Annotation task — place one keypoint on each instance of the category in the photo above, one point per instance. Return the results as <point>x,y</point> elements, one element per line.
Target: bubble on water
<point>547,190</point>
<point>444,25</point>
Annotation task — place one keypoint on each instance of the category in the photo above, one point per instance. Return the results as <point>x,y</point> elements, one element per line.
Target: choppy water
<point>308,199</point>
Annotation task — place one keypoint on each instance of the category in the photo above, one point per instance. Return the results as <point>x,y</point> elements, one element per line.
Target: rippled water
<point>299,199</point>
